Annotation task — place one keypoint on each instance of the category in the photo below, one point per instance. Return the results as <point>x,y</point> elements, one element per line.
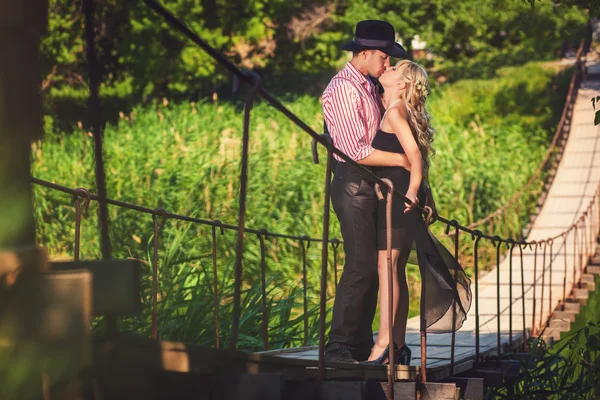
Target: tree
<point>592,6</point>
<point>475,37</point>
<point>142,58</point>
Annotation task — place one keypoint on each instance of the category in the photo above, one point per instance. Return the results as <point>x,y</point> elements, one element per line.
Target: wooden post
<point>22,24</point>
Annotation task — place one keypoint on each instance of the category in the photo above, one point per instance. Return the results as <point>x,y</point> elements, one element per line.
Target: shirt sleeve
<point>344,116</point>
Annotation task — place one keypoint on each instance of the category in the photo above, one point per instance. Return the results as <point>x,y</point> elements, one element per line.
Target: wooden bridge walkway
<point>575,182</point>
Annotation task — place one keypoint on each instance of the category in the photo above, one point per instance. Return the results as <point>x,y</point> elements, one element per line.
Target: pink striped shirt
<point>351,112</point>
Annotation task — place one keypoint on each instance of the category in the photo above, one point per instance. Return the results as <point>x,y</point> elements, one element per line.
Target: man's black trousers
<point>355,203</point>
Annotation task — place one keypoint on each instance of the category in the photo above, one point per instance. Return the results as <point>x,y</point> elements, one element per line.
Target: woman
<point>405,128</point>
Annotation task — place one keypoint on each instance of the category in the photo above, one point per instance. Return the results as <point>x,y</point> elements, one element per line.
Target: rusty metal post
<point>391,345</point>
<point>584,242</point>
<point>263,286</point>
<point>78,212</point>
<point>564,298</point>
<point>535,244</point>
<point>79,208</point>
<point>477,237</point>
<point>574,255</point>
<point>96,116</point>
<point>239,249</point>
<point>215,280</point>
<point>98,133</point>
<point>157,228</point>
<point>511,244</point>
<point>582,252</point>
<point>498,244</point>
<point>584,233</point>
<point>543,283</point>
<point>423,296</point>
<point>550,310</point>
<point>304,245</point>
<point>523,292</point>
<point>589,230</point>
<point>324,258</point>
<point>454,224</point>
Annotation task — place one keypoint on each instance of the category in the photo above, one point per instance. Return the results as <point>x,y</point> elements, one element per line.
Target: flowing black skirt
<point>445,291</point>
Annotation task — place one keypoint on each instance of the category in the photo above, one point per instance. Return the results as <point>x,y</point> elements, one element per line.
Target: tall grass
<point>185,159</point>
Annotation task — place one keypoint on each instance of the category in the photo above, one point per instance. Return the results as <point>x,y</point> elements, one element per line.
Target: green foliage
<point>474,44</point>
<point>592,6</point>
<point>142,58</point>
<point>502,33</point>
<point>570,369</point>
<point>185,159</point>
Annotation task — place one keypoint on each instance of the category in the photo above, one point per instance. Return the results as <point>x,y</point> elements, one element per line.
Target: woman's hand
<point>415,201</point>
<point>431,204</point>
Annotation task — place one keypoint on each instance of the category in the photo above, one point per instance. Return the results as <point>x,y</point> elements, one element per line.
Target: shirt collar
<point>354,74</point>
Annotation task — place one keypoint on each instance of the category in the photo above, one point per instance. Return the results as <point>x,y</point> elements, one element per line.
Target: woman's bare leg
<point>400,294</point>
<point>401,317</point>
<point>382,339</point>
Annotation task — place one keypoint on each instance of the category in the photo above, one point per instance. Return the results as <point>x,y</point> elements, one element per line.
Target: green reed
<point>185,159</point>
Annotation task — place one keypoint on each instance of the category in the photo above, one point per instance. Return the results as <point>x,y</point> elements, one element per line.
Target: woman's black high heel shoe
<point>382,359</point>
<point>403,356</point>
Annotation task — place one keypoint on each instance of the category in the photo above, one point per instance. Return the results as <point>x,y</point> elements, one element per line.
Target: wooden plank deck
<point>574,184</point>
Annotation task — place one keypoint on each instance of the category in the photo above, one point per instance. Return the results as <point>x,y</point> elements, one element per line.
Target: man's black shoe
<point>341,355</point>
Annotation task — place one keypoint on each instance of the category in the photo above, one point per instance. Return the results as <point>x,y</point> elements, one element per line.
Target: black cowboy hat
<point>375,35</point>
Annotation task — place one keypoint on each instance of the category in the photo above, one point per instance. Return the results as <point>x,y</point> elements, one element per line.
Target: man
<point>352,117</point>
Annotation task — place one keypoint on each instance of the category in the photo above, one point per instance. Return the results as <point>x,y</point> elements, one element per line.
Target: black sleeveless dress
<point>447,288</point>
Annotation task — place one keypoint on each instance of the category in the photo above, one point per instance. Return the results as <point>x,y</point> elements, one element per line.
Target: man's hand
<point>379,158</point>
<point>403,161</point>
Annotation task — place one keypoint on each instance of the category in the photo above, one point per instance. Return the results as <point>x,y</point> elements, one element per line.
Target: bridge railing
<point>214,244</point>
<point>583,232</point>
<point>544,173</point>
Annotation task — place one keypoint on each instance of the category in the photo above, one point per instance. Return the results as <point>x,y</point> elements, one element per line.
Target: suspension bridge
<point>535,288</point>
<point>538,283</point>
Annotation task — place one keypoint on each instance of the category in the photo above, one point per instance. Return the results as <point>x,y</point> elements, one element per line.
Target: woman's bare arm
<point>402,130</point>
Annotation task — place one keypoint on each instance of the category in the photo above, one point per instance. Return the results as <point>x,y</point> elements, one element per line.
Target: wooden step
<point>520,356</point>
<point>580,294</point>
<point>588,278</point>
<point>571,305</point>
<point>469,388</point>
<point>55,307</point>
<point>335,390</point>
<point>595,259</point>
<point>559,324</point>
<point>378,390</point>
<point>491,377</point>
<point>588,281</point>
<point>564,315</point>
<point>544,337</point>
<point>116,284</point>
<point>590,286</point>
<point>268,386</point>
<point>593,269</point>
<point>509,368</point>
<point>436,391</point>
<point>551,335</point>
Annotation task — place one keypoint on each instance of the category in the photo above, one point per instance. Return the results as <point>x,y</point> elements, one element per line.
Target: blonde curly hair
<point>414,95</point>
